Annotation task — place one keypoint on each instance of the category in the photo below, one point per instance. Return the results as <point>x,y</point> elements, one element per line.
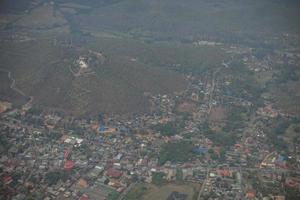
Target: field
<point>150,192</point>
<point>217,114</point>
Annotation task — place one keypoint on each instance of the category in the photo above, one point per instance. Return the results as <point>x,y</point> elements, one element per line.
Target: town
<point>49,155</point>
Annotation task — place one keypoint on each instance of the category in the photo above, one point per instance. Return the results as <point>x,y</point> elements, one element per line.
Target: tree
<point>179,175</point>
<point>158,178</point>
<point>168,129</point>
<point>180,151</point>
<point>54,176</point>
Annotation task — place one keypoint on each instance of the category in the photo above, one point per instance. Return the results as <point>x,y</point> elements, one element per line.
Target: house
<point>114,173</point>
<point>84,197</point>
<point>6,179</point>
<point>82,183</point>
<point>68,165</point>
<point>250,195</point>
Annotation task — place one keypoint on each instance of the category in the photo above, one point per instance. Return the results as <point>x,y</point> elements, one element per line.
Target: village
<point>149,100</point>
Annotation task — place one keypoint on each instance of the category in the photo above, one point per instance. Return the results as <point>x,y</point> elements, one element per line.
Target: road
<point>13,87</point>
<point>240,169</point>
<point>203,185</point>
<point>13,82</point>
<point>213,85</point>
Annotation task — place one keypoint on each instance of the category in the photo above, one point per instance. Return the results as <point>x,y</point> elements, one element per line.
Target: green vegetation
<point>177,20</point>
<point>54,135</point>
<point>54,176</point>
<point>165,55</point>
<point>297,129</point>
<point>113,195</point>
<point>4,146</point>
<point>179,175</point>
<point>34,110</point>
<point>123,82</point>
<point>244,84</point>
<point>158,178</point>
<point>167,129</point>
<point>180,151</point>
<point>236,118</point>
<point>281,126</point>
<point>288,73</point>
<point>223,139</point>
<point>136,193</point>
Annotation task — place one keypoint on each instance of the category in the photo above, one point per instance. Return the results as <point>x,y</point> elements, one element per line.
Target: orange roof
<point>163,120</point>
<point>82,183</point>
<point>2,109</point>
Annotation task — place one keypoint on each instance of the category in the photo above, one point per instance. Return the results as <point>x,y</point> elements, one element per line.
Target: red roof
<point>247,152</point>
<point>224,172</point>
<point>217,151</point>
<point>114,173</point>
<point>84,197</point>
<point>6,179</point>
<point>69,165</point>
<point>290,182</point>
<point>250,195</point>
<point>66,154</point>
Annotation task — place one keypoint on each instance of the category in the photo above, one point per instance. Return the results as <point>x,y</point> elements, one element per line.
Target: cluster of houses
<point>105,155</point>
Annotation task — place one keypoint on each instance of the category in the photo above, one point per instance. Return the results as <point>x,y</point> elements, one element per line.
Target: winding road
<point>14,88</point>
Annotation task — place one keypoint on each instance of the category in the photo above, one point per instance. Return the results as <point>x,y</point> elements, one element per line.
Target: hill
<point>116,86</point>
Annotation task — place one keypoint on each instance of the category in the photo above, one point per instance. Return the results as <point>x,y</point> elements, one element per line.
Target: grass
<point>150,191</point>
<point>137,192</point>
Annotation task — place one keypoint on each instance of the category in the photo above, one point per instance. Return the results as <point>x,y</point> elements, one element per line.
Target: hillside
<point>116,86</point>
<point>147,45</point>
